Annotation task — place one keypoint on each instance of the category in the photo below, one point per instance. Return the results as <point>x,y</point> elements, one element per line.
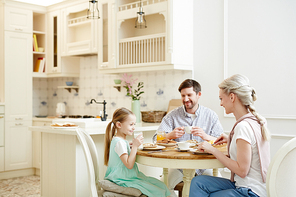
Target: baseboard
<point>17,173</point>
<point>37,171</point>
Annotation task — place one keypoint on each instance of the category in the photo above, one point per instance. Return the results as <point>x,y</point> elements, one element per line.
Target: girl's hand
<point>221,139</point>
<point>138,141</point>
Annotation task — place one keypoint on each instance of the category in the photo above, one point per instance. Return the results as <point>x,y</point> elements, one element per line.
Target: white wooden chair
<point>91,156</point>
<point>281,174</point>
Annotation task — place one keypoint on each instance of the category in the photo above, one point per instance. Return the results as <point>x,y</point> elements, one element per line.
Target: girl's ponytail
<point>110,132</point>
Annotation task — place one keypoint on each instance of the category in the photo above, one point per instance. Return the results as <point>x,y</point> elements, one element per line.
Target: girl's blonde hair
<point>240,86</point>
<point>120,115</point>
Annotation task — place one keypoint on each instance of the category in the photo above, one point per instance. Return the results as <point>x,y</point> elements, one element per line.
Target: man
<point>205,125</point>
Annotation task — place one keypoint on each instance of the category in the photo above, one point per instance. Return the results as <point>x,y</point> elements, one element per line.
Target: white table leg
<point>165,173</point>
<point>215,172</point>
<point>188,175</point>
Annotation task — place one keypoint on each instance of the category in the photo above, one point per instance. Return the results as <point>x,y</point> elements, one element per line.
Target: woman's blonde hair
<point>120,115</point>
<point>240,86</point>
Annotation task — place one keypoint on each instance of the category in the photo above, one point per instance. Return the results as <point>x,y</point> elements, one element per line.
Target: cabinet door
<point>19,20</point>
<point>1,159</point>
<point>80,33</point>
<point>53,40</point>
<point>36,136</point>
<point>106,55</point>
<point>37,143</point>
<point>18,76</point>
<point>18,145</point>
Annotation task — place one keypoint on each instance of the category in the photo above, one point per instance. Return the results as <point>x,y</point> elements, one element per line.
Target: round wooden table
<point>170,157</point>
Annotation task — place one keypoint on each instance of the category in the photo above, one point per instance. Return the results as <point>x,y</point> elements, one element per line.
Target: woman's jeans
<point>217,187</point>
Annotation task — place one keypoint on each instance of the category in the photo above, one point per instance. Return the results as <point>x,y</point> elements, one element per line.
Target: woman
<point>248,146</point>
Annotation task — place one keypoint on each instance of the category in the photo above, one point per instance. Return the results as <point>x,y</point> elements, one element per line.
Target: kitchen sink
<point>84,122</point>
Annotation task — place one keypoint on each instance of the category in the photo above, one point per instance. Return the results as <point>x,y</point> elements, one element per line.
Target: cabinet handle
<point>18,118</point>
<point>18,29</point>
<point>18,124</point>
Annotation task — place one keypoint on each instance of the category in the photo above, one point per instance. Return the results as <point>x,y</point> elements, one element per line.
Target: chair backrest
<point>174,103</point>
<point>91,157</point>
<point>281,174</point>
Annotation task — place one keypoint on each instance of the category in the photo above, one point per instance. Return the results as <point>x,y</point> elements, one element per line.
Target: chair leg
<point>179,187</point>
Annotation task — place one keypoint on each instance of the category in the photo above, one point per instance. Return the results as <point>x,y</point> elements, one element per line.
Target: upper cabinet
<point>107,35</point>
<point>58,65</point>
<point>166,43</point>
<point>18,20</point>
<point>80,33</point>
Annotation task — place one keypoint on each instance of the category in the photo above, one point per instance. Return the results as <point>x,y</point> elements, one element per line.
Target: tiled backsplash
<point>159,87</point>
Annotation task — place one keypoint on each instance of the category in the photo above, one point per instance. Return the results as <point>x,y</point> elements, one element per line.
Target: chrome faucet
<point>104,117</point>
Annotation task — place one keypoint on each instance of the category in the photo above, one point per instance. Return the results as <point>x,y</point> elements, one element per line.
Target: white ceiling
<point>41,2</point>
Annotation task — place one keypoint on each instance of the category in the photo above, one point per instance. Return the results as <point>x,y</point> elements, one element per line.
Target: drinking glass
<point>160,135</point>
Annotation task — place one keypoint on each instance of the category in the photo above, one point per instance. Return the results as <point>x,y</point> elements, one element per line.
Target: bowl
<point>69,83</point>
<point>117,81</point>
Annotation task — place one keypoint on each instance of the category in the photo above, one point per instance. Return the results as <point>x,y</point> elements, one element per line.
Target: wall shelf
<point>69,88</point>
<point>118,87</point>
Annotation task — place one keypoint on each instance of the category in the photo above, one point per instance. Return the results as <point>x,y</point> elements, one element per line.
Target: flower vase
<point>136,110</point>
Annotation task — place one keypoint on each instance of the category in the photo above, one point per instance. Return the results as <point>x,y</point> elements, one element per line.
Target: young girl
<point>248,146</point>
<point>120,159</point>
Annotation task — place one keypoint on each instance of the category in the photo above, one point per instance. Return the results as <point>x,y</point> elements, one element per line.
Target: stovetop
<point>77,116</point>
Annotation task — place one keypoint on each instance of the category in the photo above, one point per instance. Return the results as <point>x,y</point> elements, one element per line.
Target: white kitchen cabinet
<point>17,19</point>
<point>36,136</point>
<point>58,66</point>
<point>18,145</point>
<point>107,35</point>
<point>80,33</point>
<point>2,159</point>
<point>16,61</point>
<point>18,76</point>
<point>2,131</point>
<point>166,43</point>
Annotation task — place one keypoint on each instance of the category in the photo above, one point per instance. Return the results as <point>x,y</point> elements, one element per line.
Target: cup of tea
<point>160,135</point>
<point>187,129</point>
<point>183,145</point>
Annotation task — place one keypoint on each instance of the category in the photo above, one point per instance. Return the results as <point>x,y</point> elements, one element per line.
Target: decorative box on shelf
<point>152,116</point>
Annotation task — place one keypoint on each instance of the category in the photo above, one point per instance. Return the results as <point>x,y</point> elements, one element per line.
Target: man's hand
<point>176,133</point>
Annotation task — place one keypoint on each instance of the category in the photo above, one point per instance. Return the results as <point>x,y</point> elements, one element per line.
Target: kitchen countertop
<point>140,127</point>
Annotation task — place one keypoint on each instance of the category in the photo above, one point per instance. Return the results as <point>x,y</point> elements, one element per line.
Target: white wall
<point>209,61</point>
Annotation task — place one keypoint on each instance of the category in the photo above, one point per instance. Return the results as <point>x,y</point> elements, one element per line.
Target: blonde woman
<point>248,146</point>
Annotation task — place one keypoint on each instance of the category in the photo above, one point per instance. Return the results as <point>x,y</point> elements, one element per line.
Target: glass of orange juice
<point>160,135</point>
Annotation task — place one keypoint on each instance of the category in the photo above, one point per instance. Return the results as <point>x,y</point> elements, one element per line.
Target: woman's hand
<point>138,141</point>
<point>221,139</point>
<point>205,146</point>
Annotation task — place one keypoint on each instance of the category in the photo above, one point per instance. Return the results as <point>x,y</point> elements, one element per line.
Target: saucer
<point>183,150</point>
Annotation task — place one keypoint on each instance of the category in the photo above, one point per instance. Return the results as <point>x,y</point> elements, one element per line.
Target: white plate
<point>156,148</point>
<point>64,127</point>
<point>184,150</point>
<point>194,151</point>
